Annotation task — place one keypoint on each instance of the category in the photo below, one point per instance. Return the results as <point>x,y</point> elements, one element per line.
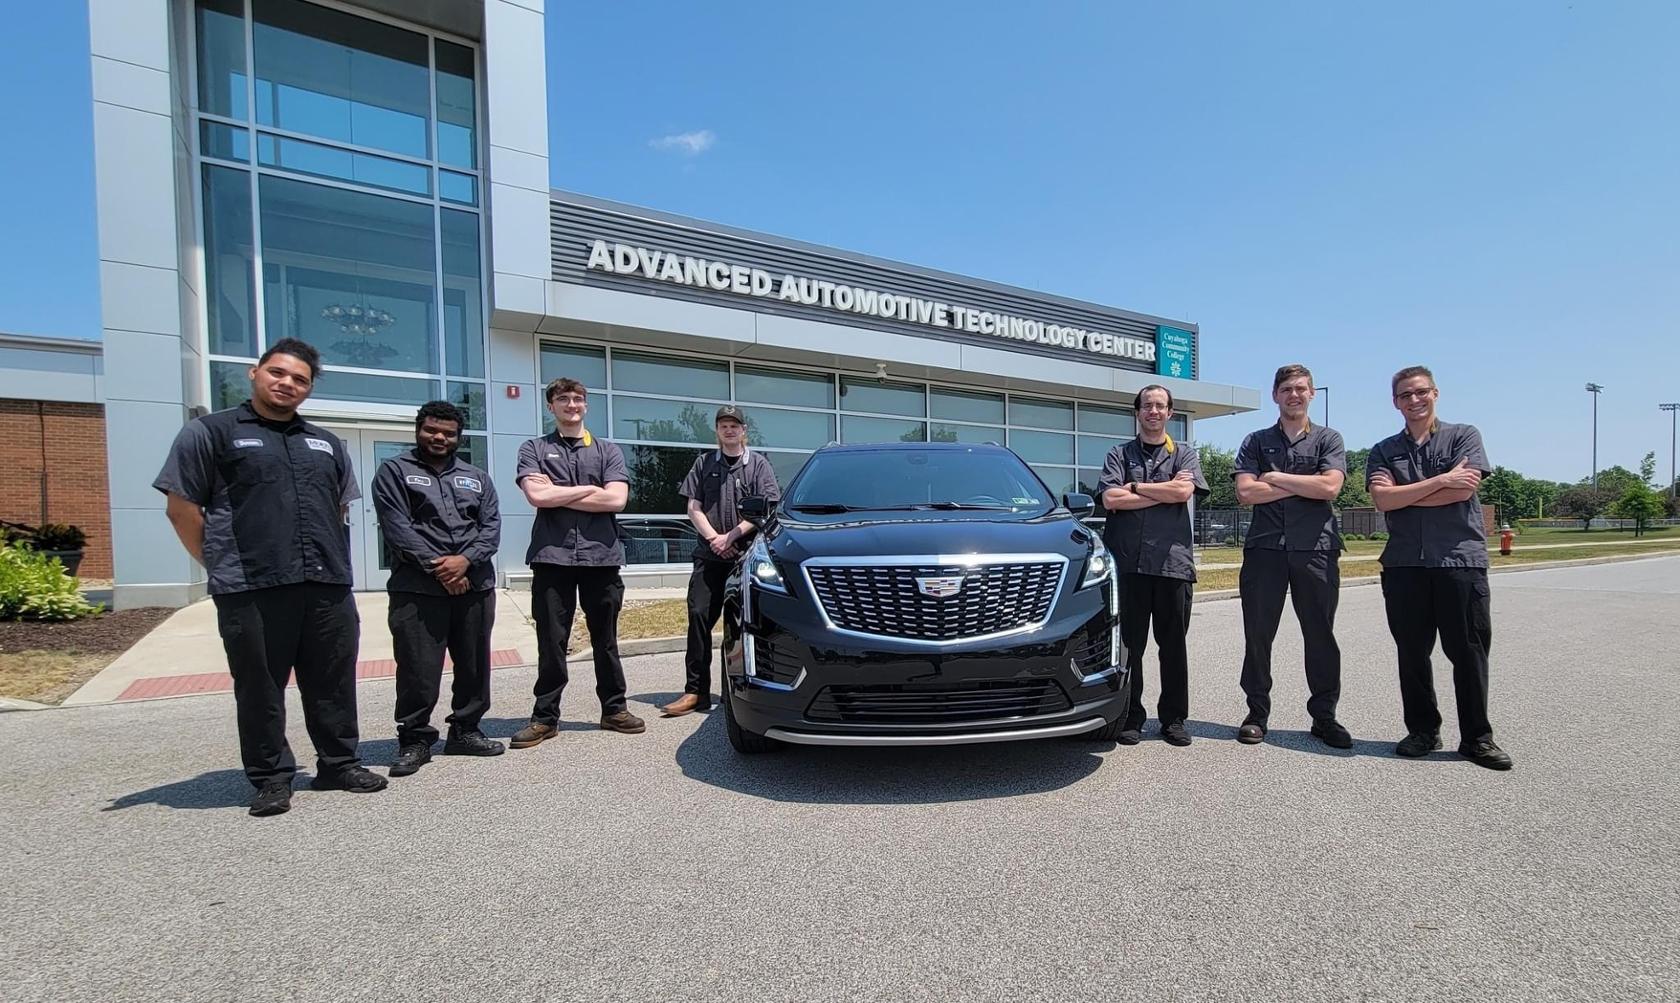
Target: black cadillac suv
<point>921,594</point>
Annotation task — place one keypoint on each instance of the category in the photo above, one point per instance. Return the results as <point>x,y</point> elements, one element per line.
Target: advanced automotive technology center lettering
<point>721,276</point>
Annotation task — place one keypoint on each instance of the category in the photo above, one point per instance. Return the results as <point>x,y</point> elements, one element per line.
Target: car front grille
<point>910,703</point>
<point>1093,646</point>
<point>886,601</point>
<point>775,663</point>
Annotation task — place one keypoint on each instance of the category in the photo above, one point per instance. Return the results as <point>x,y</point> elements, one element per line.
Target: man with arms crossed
<point>259,497</point>
<point>1434,579</point>
<point>576,482</point>
<point>714,488</point>
<point>441,524</point>
<point>1291,472</point>
<point>1146,487</point>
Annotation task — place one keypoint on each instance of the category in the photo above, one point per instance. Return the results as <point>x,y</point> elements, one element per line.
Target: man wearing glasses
<point>1291,472</point>
<point>1434,578</point>
<point>1146,486</point>
<point>577,483</point>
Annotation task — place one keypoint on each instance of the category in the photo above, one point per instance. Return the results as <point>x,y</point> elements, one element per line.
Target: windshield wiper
<point>824,507</point>
<point>945,506</point>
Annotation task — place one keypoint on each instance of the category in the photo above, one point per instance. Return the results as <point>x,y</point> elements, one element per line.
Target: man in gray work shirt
<point>1146,486</point>
<point>577,483</point>
<point>1291,472</point>
<point>1434,579</point>
<point>441,525</point>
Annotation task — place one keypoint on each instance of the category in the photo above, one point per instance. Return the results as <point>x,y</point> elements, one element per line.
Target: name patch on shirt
<point>320,444</point>
<point>246,443</point>
<point>470,484</point>
<point>419,479</point>
<point>554,456</point>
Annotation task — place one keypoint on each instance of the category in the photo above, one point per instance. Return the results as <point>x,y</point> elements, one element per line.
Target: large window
<point>339,189</point>
<point>659,408</point>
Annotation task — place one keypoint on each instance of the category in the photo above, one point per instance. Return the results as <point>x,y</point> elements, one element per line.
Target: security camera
<point>881,373</point>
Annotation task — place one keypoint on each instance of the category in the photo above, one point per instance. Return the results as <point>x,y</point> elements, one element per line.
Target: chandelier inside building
<point>361,324</point>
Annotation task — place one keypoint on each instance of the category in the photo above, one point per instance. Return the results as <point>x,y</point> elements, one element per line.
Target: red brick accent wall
<point>71,457</point>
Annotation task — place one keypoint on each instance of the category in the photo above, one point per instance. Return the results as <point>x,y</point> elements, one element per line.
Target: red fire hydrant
<point>1505,536</point>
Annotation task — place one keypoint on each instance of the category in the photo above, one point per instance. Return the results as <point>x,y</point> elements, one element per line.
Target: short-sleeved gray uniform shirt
<point>1156,540</point>
<point>719,486</point>
<point>1444,536</point>
<point>273,494</point>
<point>1293,523</point>
<point>565,535</point>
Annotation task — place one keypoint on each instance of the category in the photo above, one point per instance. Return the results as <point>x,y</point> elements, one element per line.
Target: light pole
<point>1594,389</point>
<point>1673,480</point>
<point>1326,392</point>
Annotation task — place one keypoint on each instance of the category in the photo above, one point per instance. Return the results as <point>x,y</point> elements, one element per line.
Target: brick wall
<point>71,459</point>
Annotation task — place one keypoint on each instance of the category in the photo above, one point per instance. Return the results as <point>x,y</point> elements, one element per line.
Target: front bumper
<point>791,678</point>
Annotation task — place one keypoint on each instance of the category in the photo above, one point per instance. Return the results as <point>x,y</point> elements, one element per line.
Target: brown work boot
<point>688,703</point>
<point>535,733</point>
<point>624,722</point>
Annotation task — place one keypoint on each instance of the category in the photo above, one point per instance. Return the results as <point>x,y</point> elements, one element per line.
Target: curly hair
<point>442,411</point>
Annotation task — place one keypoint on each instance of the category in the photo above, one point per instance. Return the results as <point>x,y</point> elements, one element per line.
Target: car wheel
<point>745,742</point>
<point>1109,732</point>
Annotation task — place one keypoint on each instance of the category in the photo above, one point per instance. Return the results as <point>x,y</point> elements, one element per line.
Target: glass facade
<point>659,407</point>
<point>328,212</point>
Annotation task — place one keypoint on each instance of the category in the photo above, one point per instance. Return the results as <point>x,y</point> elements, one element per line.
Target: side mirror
<point>755,509</point>
<point>1079,503</point>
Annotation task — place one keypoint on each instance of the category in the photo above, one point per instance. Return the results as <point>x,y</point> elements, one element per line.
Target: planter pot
<point>71,559</point>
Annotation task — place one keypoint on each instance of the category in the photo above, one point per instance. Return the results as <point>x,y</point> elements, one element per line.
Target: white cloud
<point>689,144</point>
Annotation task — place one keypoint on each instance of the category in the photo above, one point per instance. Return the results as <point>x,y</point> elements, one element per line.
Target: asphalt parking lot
<point>664,866</point>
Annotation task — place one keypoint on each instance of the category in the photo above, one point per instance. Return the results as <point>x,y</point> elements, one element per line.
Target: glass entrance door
<point>370,447</point>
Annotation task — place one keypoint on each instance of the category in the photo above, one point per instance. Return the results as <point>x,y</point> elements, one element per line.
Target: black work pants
<point>705,605</point>
<point>1165,602</point>
<point>1313,579</point>
<point>423,627</point>
<point>1454,604</point>
<point>268,634</point>
<point>557,590</point>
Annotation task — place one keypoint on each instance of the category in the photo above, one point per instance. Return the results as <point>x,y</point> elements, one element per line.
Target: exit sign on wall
<point>1173,351</point>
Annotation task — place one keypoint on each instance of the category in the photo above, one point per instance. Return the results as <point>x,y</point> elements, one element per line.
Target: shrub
<point>1353,536</point>
<point>35,587</point>
<point>1379,536</point>
<point>59,536</point>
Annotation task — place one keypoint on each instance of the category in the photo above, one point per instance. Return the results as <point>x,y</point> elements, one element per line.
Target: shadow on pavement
<point>1301,741</point>
<point>216,789</point>
<point>916,775</point>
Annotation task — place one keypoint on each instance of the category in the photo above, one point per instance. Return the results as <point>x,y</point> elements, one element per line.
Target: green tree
<point>1648,469</point>
<point>1353,494</point>
<point>1583,502</point>
<point>1217,465</point>
<point>1640,504</point>
<point>1615,481</point>
<point>1505,490</point>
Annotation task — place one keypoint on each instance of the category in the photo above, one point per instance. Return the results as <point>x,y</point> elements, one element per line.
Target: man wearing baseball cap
<point>714,488</point>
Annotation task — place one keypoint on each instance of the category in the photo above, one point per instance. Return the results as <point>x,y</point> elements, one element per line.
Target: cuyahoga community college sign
<point>721,276</point>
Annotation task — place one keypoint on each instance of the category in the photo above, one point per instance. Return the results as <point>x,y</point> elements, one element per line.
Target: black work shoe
<point>472,743</point>
<point>274,798</point>
<point>624,722</point>
<point>355,779</point>
<point>1251,733</point>
<point>410,758</point>
<point>1175,734</point>
<point>1130,736</point>
<point>1332,734</point>
<point>1483,752</point>
<point>1418,744</point>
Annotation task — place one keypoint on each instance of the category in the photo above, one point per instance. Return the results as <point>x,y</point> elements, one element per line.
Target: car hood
<point>927,533</point>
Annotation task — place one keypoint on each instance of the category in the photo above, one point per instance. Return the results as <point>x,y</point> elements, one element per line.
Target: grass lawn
<point>47,676</point>
<point>1551,534</point>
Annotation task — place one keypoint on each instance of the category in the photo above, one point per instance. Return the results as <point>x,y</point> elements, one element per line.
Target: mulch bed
<point>106,633</point>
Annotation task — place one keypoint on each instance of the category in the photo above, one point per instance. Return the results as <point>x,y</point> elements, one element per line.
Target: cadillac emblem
<point>940,588</point>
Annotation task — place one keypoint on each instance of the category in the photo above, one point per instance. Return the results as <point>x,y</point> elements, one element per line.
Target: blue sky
<point>1489,189</point>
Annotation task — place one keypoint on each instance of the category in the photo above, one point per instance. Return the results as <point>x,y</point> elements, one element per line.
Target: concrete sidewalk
<point>183,655</point>
<point>1349,558</point>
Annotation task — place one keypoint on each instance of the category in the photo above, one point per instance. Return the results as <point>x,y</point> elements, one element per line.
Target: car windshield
<point>887,479</point>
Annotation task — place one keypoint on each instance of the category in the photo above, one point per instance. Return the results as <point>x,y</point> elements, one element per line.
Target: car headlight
<point>1098,567</point>
<point>763,570</point>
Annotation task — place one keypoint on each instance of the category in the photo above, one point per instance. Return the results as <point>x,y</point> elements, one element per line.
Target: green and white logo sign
<point>1173,349</point>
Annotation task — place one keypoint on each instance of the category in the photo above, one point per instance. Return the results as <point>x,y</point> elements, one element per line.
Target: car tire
<point>1109,732</point>
<point>745,742</point>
